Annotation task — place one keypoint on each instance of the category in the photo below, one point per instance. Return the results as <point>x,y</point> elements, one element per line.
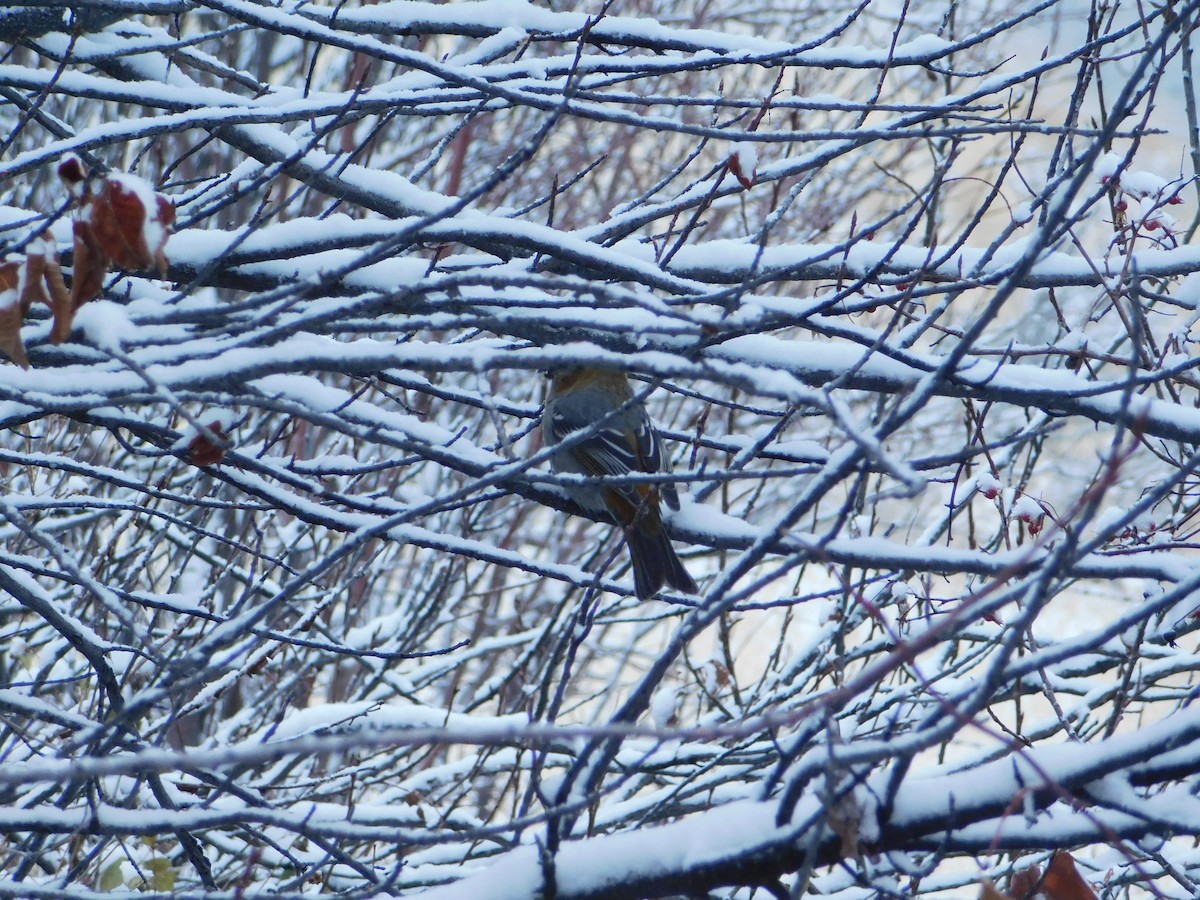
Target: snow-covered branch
<point>297,599</point>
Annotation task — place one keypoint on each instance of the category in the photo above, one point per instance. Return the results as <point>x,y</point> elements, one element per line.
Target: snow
<point>709,260</point>
<point>987,484</point>
<point>314,394</point>
<point>213,418</point>
<point>663,705</point>
<point>1072,342</point>
<point>371,715</point>
<point>106,324</point>
<point>929,45</point>
<point>1148,185</point>
<point>1108,165</point>
<point>410,382</point>
<point>498,15</point>
<point>1188,291</point>
<point>745,154</point>
<point>1027,507</point>
<point>591,865</point>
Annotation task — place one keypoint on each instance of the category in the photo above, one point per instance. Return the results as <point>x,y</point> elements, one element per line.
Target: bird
<point>620,441</point>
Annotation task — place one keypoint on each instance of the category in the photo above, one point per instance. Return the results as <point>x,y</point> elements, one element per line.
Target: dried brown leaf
<point>12,312</point>
<point>166,219</point>
<point>24,281</point>
<point>33,285</point>
<point>1025,884</point>
<point>735,167</point>
<point>89,267</point>
<point>72,170</point>
<point>1063,881</point>
<point>131,222</point>
<point>124,223</point>
<point>10,276</point>
<point>203,451</point>
<point>116,216</point>
<point>845,817</point>
<point>56,288</point>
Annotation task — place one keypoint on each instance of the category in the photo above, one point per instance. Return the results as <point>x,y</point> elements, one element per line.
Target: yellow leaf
<point>112,877</point>
<point>163,877</point>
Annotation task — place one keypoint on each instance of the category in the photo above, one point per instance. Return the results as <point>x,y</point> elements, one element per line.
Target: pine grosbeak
<point>625,443</point>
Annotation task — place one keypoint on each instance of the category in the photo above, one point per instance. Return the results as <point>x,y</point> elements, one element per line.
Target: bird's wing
<point>607,451</point>
<point>615,451</point>
<point>650,459</point>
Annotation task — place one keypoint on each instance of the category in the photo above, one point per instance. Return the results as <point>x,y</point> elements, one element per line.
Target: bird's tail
<point>655,562</point>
